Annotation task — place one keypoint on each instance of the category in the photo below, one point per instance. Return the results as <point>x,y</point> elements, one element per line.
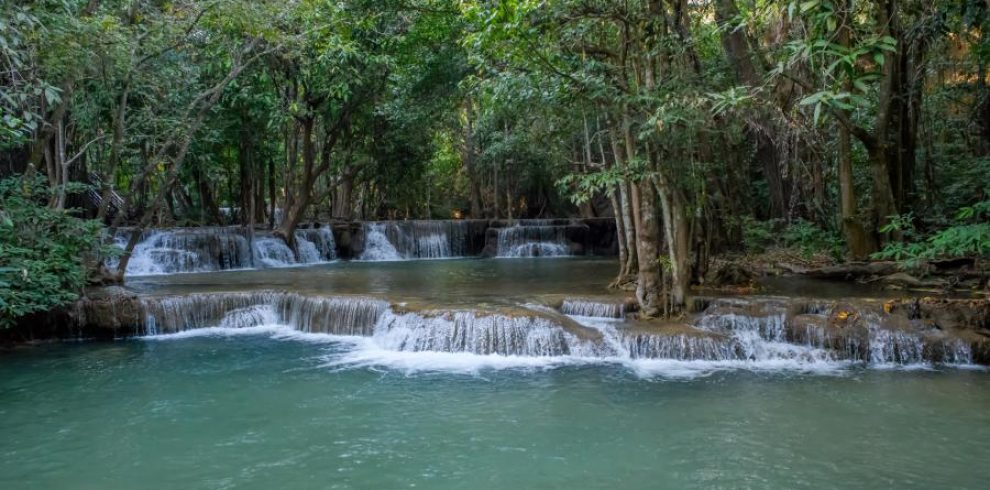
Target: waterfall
<point>272,252</point>
<point>592,308</point>
<point>187,250</point>
<point>211,249</point>
<point>680,347</point>
<point>398,240</point>
<point>315,245</point>
<point>728,331</point>
<point>377,246</point>
<point>441,331</point>
<point>538,238</point>
<point>465,331</point>
<point>894,347</point>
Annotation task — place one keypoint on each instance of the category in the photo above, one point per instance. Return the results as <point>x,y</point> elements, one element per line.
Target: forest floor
<point>742,273</point>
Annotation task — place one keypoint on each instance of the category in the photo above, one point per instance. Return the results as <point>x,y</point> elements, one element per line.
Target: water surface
<point>249,411</point>
<point>449,282</point>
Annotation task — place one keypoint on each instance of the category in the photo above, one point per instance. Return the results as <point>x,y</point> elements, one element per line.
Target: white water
<point>593,308</point>
<point>377,246</point>
<point>372,333</point>
<point>533,238</point>
<point>216,249</point>
<point>407,240</point>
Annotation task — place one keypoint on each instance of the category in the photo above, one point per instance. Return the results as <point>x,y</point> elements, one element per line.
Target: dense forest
<point>847,129</point>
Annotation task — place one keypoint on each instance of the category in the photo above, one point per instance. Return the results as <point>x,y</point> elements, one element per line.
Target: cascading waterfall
<point>723,333</point>
<point>536,238</point>
<point>680,347</point>
<point>399,240</point>
<point>315,245</point>
<point>465,331</point>
<point>188,250</point>
<point>437,331</point>
<point>592,308</point>
<point>182,250</point>
<point>377,246</point>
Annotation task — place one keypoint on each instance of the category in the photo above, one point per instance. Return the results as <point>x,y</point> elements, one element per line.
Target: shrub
<point>44,253</point>
<point>967,236</point>
<point>800,235</point>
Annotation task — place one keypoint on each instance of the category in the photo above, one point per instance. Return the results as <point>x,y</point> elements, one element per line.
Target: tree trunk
<point>677,232</point>
<point>625,210</point>
<point>342,204</point>
<point>647,236</point>
<point>298,200</point>
<point>859,242</point>
<point>620,238</point>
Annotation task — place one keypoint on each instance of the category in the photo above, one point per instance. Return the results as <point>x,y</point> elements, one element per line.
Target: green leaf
<point>808,5</point>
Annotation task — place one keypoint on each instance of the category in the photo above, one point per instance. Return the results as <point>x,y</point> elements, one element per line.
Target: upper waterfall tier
<point>398,240</point>
<point>208,249</point>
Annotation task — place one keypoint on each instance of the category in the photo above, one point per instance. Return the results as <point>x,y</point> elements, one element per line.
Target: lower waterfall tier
<point>756,330</point>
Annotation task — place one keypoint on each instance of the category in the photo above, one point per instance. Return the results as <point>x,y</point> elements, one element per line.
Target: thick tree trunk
<point>342,204</point>
<point>677,226</point>
<point>648,234</point>
<point>859,242</point>
<point>298,200</point>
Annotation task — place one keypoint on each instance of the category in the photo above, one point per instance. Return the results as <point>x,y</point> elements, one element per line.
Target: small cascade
<point>466,331</point>
<point>895,347</point>
<point>399,240</point>
<point>949,351</point>
<point>272,252</point>
<point>538,238</point>
<point>336,315</point>
<point>210,249</point>
<point>319,244</point>
<point>681,347</point>
<point>188,250</point>
<point>811,331</point>
<point>377,246</point>
<point>315,245</point>
<point>593,308</point>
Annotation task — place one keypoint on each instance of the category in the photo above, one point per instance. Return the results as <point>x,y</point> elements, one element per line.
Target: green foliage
<point>967,236</point>
<point>20,89</point>
<point>757,235</point>
<point>43,252</point>
<point>810,239</point>
<point>800,235</point>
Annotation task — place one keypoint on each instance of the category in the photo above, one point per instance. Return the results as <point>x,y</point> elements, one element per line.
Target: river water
<point>242,397</point>
<point>249,411</point>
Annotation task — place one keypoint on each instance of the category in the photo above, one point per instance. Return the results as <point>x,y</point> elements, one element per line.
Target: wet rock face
<point>111,312</point>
